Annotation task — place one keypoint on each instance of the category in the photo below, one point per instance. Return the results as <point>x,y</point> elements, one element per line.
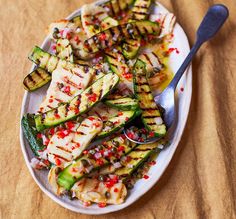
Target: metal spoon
<point>211,24</point>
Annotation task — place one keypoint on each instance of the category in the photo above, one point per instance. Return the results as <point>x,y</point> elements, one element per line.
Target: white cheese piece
<point>94,191</point>
<point>64,86</point>
<point>87,130</point>
<point>66,146</point>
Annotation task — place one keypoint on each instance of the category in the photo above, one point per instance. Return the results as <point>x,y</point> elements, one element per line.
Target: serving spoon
<point>211,24</point>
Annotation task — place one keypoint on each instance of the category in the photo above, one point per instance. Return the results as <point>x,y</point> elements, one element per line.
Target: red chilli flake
<point>39,135</point>
<point>70,125</point>
<point>152,163</point>
<point>145,176</point>
<point>92,97</point>
<point>127,75</point>
<point>50,100</point>
<point>131,135</point>
<point>120,113</point>
<point>91,118</point>
<point>102,36</point>
<point>97,124</point>
<point>57,116</point>
<point>63,134</point>
<point>151,134</point>
<point>121,148</point>
<point>86,204</point>
<point>67,90</point>
<point>57,161</point>
<point>100,162</point>
<point>116,190</point>
<point>182,89</point>
<point>46,142</point>
<point>85,152</point>
<point>54,47</point>
<point>170,50</point>
<point>68,36</point>
<point>102,205</point>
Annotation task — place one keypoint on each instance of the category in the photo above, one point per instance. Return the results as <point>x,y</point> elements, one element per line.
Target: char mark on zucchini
<point>146,101</point>
<point>131,30</point>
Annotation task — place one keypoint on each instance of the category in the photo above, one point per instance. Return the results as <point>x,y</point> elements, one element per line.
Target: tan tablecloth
<point>200,180</point>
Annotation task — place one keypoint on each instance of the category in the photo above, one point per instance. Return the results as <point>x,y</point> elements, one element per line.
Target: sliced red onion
<point>97,155</point>
<point>117,165</point>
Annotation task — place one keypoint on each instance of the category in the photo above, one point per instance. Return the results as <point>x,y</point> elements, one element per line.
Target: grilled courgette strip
<point>139,12</point>
<point>50,62</point>
<point>79,104</point>
<point>114,35</point>
<point>36,79</point>
<point>151,116</point>
<point>30,133</point>
<point>117,122</point>
<point>115,7</point>
<point>124,103</point>
<point>64,50</point>
<point>130,48</point>
<point>81,167</point>
<point>140,9</point>
<point>136,157</point>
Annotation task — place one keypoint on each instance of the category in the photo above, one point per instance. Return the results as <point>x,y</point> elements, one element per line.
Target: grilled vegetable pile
<point>103,67</point>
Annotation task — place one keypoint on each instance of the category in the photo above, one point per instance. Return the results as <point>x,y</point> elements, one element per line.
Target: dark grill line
<point>56,155</point>
<point>148,59</point>
<point>64,149</point>
<point>111,56</point>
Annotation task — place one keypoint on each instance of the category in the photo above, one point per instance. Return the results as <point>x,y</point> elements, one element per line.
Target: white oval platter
<point>32,100</point>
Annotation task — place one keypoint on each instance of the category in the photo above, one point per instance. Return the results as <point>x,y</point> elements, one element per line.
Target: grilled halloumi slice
<point>152,61</point>
<point>87,130</point>
<point>167,21</point>
<point>95,191</point>
<point>66,146</point>
<point>65,85</point>
<point>73,25</point>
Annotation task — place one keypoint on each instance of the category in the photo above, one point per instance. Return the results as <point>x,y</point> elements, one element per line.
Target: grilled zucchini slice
<point>151,116</point>
<point>64,50</point>
<point>79,104</point>
<point>30,133</point>
<point>130,48</point>
<point>117,64</point>
<point>140,9</point>
<point>108,22</point>
<point>125,103</point>
<point>36,79</point>
<point>117,122</point>
<point>115,7</point>
<point>82,166</point>
<point>114,35</point>
<point>136,157</point>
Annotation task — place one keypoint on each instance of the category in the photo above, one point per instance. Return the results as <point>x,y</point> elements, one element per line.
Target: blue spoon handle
<point>211,24</point>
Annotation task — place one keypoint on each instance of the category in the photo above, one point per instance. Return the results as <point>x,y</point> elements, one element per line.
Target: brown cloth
<point>200,180</point>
